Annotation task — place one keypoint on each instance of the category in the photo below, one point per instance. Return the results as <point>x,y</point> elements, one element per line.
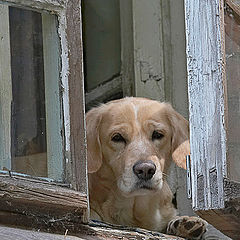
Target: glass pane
<point>232,45</point>
<point>29,147</point>
<point>30,116</point>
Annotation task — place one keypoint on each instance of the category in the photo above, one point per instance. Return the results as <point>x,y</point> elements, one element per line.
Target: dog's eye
<point>157,135</point>
<point>118,138</point>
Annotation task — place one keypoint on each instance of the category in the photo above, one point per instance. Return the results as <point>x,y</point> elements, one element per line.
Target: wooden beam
<point>16,189</point>
<point>207,106</point>
<point>78,142</point>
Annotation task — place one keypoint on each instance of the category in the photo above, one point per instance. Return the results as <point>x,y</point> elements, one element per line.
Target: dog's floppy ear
<point>94,152</point>
<point>180,138</point>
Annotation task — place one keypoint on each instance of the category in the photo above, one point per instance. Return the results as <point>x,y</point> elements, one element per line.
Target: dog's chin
<point>141,189</point>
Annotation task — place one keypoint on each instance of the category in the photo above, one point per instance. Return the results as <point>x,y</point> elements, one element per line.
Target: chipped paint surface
<point>148,49</point>
<point>205,62</point>
<point>64,76</point>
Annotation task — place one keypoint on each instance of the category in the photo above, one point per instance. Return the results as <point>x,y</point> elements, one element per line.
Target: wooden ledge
<point>38,200</point>
<point>92,231</point>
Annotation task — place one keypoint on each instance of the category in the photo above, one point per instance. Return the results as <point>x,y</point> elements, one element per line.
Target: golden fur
<point>116,194</point>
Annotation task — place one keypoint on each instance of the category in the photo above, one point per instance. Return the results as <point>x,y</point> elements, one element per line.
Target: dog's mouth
<point>143,188</point>
<point>144,185</point>
<point>139,186</point>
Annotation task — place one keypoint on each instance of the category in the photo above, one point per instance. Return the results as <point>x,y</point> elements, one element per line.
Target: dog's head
<point>134,140</point>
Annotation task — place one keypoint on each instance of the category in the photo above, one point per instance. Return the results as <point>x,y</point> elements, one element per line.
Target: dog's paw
<point>187,227</point>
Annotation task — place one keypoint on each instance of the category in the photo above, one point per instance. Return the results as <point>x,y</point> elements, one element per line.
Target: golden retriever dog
<point>131,143</point>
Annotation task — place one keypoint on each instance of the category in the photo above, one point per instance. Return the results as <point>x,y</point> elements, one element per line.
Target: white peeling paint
<point>64,76</point>
<point>205,62</point>
<point>148,49</point>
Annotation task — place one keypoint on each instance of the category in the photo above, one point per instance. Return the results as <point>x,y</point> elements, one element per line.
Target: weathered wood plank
<point>6,89</point>
<point>50,5</point>
<point>9,173</point>
<point>148,49</point>
<point>54,123</point>
<point>127,47</point>
<point>123,232</point>
<point>207,108</point>
<point>37,198</point>
<point>11,233</point>
<point>91,231</point>
<point>78,142</point>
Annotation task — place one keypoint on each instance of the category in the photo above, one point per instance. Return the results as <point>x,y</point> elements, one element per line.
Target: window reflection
<point>28,122</point>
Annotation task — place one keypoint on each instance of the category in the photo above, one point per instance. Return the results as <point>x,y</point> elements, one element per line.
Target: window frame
<point>25,196</point>
<point>215,197</point>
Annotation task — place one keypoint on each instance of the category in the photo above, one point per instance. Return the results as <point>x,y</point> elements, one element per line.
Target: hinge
<point>189,182</point>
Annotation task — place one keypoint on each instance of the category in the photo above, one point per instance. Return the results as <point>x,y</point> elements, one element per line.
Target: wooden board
<point>78,142</point>
<point>127,48</point>
<point>207,108</point>
<point>91,231</point>
<point>42,201</point>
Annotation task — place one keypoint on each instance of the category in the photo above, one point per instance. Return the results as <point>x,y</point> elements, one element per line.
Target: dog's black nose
<point>144,170</point>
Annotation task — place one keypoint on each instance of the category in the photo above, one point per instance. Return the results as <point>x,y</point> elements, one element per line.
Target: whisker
<point>165,175</point>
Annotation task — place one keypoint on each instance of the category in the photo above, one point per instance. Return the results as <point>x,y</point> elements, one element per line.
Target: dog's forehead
<point>130,110</point>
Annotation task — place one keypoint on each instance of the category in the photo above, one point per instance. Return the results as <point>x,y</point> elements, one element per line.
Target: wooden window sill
<point>39,201</point>
<point>94,230</point>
